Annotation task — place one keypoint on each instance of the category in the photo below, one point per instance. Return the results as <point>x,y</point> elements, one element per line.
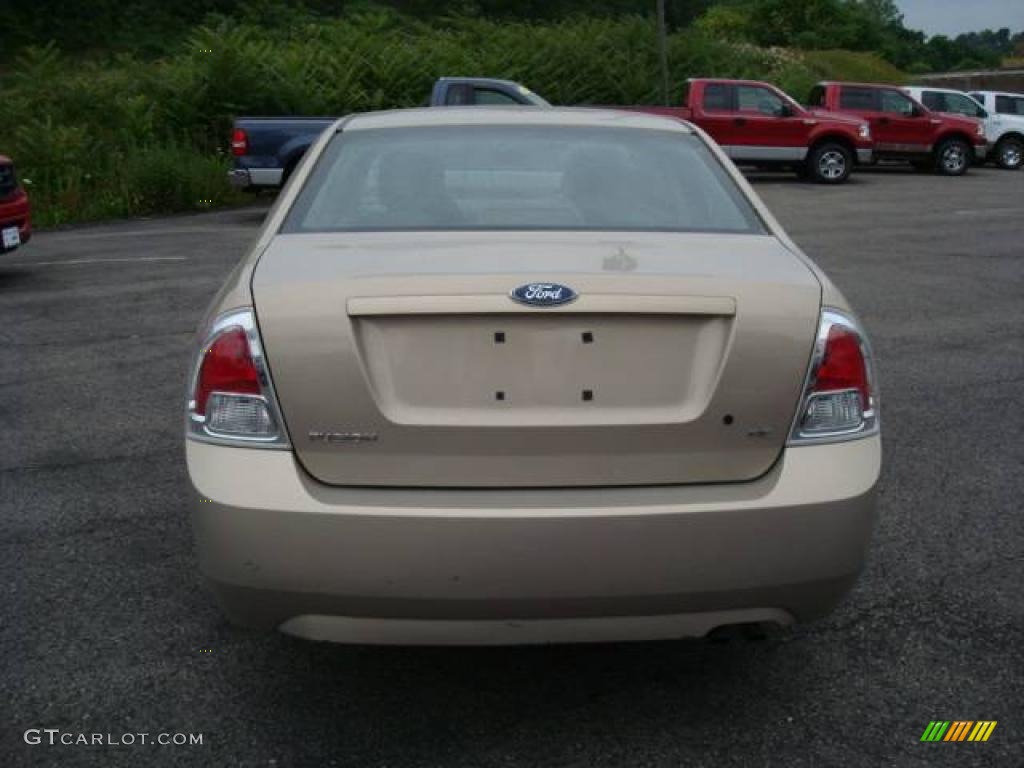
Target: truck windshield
<point>519,177</point>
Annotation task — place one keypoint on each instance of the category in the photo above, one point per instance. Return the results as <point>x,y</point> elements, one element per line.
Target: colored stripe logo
<point>959,730</point>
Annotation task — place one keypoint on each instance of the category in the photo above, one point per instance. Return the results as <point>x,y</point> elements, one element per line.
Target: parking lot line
<point>63,262</point>
<point>988,212</point>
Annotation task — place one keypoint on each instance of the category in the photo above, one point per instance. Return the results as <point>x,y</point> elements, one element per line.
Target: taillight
<point>231,398</point>
<point>839,400</point>
<point>227,366</point>
<point>239,142</point>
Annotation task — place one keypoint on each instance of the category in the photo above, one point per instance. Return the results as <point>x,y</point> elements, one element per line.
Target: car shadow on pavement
<point>528,705</point>
<point>14,278</point>
<point>253,215</point>
<point>759,178</point>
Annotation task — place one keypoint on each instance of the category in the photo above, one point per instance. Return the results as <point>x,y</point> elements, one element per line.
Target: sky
<point>951,17</point>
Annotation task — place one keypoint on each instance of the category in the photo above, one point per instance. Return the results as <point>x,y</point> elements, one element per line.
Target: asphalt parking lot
<point>107,629</point>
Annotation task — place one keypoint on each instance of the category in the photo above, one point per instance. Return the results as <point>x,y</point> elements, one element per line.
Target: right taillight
<point>239,142</point>
<point>839,399</point>
<point>231,398</point>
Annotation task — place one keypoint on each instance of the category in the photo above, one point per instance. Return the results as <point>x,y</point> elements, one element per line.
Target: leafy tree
<point>725,22</point>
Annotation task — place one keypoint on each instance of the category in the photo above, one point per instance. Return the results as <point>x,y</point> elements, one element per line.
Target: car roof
<point>471,79</point>
<point>860,85</point>
<point>733,80</point>
<point>519,116</point>
<point>931,88</point>
<point>1014,94</point>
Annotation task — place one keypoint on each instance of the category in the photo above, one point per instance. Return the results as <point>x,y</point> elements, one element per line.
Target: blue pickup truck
<point>267,149</point>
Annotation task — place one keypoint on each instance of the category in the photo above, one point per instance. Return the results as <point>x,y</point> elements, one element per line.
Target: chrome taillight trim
<point>195,423</point>
<point>870,423</point>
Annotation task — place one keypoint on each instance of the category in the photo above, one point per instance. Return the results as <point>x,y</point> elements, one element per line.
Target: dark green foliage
<point>129,134</point>
<point>149,27</point>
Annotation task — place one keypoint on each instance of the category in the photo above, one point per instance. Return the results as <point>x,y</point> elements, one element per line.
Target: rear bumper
<point>240,178</point>
<point>468,566</point>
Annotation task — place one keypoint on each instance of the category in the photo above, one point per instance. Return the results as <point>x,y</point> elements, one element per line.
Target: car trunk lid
<point>401,360</point>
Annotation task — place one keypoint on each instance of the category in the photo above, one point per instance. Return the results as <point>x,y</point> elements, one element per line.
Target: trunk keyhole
<point>727,419</point>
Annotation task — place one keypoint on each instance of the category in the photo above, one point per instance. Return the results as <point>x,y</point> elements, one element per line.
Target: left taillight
<point>840,400</point>
<point>231,398</point>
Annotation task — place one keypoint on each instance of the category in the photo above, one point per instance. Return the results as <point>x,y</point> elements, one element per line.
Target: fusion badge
<point>349,438</point>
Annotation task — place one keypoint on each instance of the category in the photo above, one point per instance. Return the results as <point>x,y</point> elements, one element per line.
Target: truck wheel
<point>952,158</point>
<point>1010,153</point>
<point>829,163</point>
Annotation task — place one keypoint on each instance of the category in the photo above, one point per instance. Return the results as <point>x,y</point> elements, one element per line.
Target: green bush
<point>852,65</point>
<point>129,136</point>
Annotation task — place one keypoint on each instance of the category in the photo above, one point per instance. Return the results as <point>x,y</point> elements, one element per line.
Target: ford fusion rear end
<point>493,376</point>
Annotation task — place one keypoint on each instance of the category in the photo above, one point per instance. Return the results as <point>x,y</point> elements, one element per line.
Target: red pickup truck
<point>903,128</point>
<point>15,218</point>
<point>757,124</point>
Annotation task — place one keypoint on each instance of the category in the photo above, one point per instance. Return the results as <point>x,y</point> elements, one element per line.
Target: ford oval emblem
<point>543,294</point>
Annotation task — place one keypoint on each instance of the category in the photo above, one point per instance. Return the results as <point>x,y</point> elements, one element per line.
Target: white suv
<point>1002,113</point>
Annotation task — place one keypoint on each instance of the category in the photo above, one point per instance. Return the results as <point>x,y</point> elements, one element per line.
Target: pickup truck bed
<point>266,149</point>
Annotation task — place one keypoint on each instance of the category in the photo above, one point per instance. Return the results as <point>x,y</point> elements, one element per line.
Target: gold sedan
<point>520,376</point>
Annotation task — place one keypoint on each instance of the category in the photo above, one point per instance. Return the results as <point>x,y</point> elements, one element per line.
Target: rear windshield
<point>516,177</point>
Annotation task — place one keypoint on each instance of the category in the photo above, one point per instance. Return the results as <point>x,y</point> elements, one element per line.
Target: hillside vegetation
<point>125,134</point>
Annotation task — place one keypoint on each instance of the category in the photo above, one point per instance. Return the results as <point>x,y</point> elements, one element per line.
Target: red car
<point>15,214</point>
<point>757,124</point>
<point>905,129</point>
